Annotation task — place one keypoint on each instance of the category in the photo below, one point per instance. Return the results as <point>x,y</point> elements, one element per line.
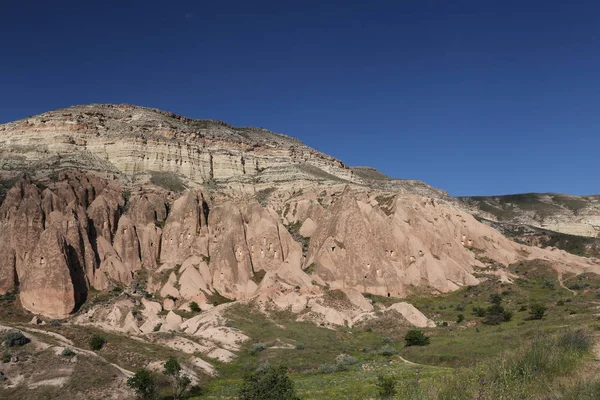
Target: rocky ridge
<point>571,215</point>
<point>189,211</point>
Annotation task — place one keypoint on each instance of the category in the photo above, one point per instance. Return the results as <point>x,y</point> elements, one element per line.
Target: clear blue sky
<point>474,97</point>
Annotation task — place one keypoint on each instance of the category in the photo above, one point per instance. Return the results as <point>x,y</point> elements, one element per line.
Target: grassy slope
<point>456,345</point>
<point>304,346</point>
<point>319,346</point>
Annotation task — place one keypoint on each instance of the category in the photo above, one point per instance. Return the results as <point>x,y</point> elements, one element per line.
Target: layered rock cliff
<point>571,215</point>
<point>188,210</point>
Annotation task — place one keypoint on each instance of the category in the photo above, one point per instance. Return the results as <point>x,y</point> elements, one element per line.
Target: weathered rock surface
<point>46,286</point>
<point>573,215</point>
<point>194,211</point>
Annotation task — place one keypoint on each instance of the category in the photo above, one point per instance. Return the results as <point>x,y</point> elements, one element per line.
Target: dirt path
<point>562,284</point>
<point>63,341</point>
<point>404,360</point>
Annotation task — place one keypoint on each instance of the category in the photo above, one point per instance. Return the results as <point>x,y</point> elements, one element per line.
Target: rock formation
<point>200,211</point>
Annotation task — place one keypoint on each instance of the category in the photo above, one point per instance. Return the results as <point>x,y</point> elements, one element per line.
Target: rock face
<point>573,215</point>
<point>47,287</point>
<point>131,140</point>
<point>199,211</point>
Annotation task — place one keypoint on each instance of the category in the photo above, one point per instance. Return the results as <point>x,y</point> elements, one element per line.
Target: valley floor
<point>345,363</point>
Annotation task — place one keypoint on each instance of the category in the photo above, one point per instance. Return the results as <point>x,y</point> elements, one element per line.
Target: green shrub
<point>576,340</point>
<point>262,196</point>
<point>416,338</point>
<point>479,311</point>
<point>6,358</point>
<point>67,352</point>
<point>460,318</point>
<point>96,342</point>
<point>327,369</point>
<point>536,311</point>
<point>257,348</point>
<point>495,314</point>
<point>179,382</point>
<point>143,384</point>
<point>495,298</point>
<point>387,350</point>
<point>157,327</point>
<point>300,346</point>
<point>343,362</point>
<point>267,383</point>
<point>194,307</point>
<point>386,387</point>
<point>15,339</point>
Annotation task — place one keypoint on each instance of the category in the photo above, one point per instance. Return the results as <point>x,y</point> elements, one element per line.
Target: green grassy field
<point>459,354</point>
<point>469,343</point>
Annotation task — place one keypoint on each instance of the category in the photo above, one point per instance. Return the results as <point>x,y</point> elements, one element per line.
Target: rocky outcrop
<point>126,244</point>
<point>46,283</point>
<point>48,246</point>
<point>166,147</point>
<point>186,231</point>
<point>204,210</point>
<point>572,215</point>
<point>362,243</point>
<point>230,262</point>
<point>384,248</point>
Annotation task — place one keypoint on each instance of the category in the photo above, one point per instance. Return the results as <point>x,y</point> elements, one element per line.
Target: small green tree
<point>460,318</point>
<point>143,384</point>
<point>386,387</point>
<point>97,342</point>
<point>67,352</point>
<point>479,311</point>
<point>536,311</point>
<point>15,339</point>
<point>496,314</point>
<point>179,382</point>
<point>268,383</point>
<point>194,306</point>
<point>496,299</point>
<point>416,338</point>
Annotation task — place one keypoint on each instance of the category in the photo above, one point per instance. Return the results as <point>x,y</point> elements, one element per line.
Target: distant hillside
<point>574,215</point>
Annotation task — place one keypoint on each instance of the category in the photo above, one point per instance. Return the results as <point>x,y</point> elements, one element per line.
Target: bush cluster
<point>416,338</point>
<point>67,352</point>
<point>144,382</point>
<point>15,339</point>
<point>257,348</point>
<point>342,363</point>
<point>268,382</point>
<point>494,314</point>
<point>96,342</point>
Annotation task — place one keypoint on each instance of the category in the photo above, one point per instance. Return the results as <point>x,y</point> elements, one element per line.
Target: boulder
<point>412,315</point>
